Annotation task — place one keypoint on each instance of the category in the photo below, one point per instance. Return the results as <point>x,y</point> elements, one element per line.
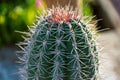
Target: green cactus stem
<point>62,46</point>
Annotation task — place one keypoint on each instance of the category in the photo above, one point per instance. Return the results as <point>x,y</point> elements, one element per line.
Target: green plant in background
<point>61,46</point>
<point>16,17</point>
<point>86,9</point>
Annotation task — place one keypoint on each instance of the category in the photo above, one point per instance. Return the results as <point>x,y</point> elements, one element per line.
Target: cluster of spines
<point>60,51</point>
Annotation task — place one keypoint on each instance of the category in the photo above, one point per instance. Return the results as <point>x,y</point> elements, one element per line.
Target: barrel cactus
<point>61,46</point>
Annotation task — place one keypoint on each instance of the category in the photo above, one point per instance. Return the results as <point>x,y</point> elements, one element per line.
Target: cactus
<point>61,46</point>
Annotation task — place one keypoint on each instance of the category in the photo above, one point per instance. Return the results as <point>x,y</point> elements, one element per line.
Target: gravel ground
<point>109,55</point>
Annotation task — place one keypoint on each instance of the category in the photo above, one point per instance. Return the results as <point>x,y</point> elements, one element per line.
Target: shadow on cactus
<point>61,46</point>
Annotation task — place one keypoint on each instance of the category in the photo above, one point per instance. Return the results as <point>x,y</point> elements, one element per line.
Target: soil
<point>109,55</point>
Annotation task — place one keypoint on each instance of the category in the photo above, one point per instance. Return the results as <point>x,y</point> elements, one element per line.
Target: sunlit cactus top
<point>62,14</point>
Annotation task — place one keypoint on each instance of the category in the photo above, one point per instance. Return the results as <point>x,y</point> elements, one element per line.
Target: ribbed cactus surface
<point>61,47</point>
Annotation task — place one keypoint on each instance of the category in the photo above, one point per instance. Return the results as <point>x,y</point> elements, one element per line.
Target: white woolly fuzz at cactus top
<point>61,46</point>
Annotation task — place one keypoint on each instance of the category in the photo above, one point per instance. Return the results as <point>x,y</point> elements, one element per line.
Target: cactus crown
<point>60,47</point>
<point>62,15</point>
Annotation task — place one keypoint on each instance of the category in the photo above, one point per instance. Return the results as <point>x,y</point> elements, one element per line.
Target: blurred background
<point>16,15</point>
